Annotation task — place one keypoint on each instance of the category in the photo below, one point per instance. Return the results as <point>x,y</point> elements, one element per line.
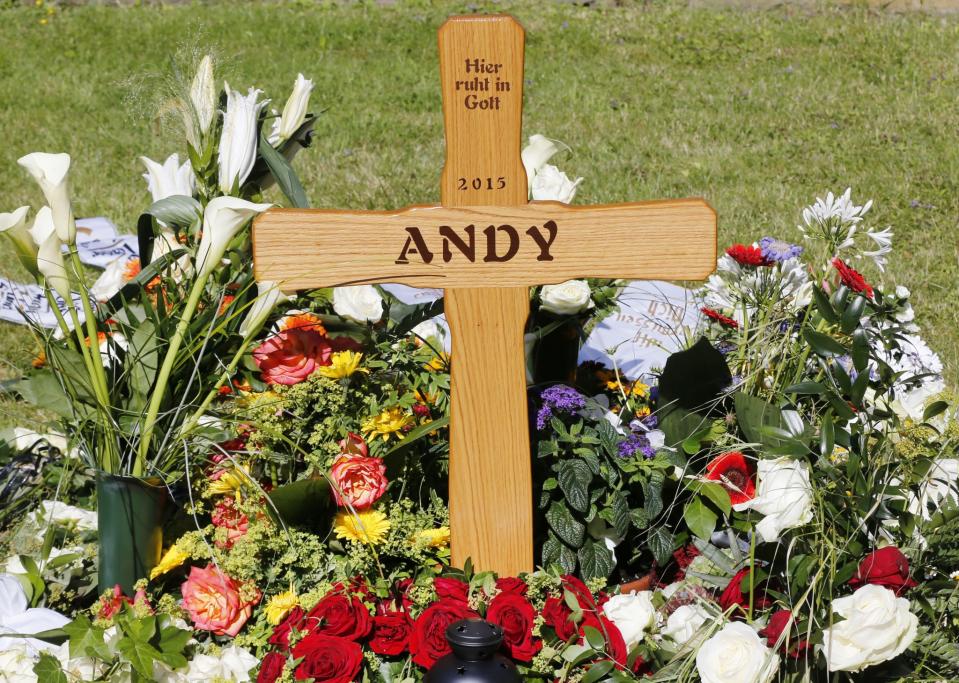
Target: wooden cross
<point>485,244</point>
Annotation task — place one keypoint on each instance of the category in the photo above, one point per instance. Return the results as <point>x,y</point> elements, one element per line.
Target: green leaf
<point>679,424</point>
<point>597,670</point>
<point>823,344</point>
<point>754,416</point>
<point>139,628</point>
<point>934,409</point>
<point>718,494</point>
<point>700,519</point>
<point>824,306</point>
<point>827,435</point>
<point>176,210</point>
<point>660,541</point>
<point>140,654</point>
<point>281,170</point>
<point>299,502</point>
<point>48,669</point>
<point>86,640</point>
<point>860,350</point>
<point>619,513</point>
<point>418,433</point>
<point>43,389</point>
<point>142,359</point>
<point>594,638</point>
<point>568,529</point>
<point>653,492</point>
<point>574,478</point>
<point>806,388</point>
<point>852,316</point>
<point>595,560</point>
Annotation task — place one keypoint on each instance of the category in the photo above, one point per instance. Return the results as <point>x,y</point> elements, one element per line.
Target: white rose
<point>783,497</point>
<point>430,331</point>
<point>233,665</point>
<point>685,622</point>
<point>552,184</point>
<point>117,273</point>
<point>78,668</point>
<point>360,304</point>
<point>567,298</point>
<point>736,655</point>
<point>633,614</point>
<point>16,664</point>
<point>535,155</point>
<point>878,626</point>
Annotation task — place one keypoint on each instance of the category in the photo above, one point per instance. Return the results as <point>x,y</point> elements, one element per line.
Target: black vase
<point>130,516</point>
<point>557,352</point>
<point>475,657</point>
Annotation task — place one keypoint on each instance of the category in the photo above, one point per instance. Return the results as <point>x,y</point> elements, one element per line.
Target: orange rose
<point>213,601</point>
<point>357,480</point>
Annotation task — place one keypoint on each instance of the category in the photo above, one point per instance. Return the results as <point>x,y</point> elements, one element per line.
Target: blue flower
<point>776,250</point>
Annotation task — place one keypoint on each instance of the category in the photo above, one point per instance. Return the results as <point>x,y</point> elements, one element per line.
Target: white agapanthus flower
<point>834,209</point>
<point>784,497</point>
<point>232,665</point>
<point>883,242</point>
<point>294,112</point>
<point>170,178</point>
<point>736,654</point>
<point>877,627</point>
<point>239,138</point>
<point>361,303</point>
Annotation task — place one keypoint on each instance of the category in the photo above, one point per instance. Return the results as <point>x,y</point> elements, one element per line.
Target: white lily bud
<point>169,178</point>
<point>294,112</point>
<point>14,226</point>
<point>238,140</point>
<point>268,296</point>
<point>203,95</point>
<point>535,155</point>
<point>50,171</point>
<point>51,266</point>
<point>222,220</point>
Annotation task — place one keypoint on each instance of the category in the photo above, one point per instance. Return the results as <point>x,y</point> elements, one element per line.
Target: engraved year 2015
<point>489,183</point>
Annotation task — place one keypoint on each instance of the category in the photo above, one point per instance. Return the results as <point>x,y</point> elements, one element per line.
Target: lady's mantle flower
<point>364,526</point>
<point>561,399</point>
<point>776,250</point>
<point>391,422</point>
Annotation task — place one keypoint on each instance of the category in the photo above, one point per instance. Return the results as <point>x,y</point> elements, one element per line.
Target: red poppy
<point>735,473</point>
<point>747,255</point>
<point>719,317</point>
<point>852,278</point>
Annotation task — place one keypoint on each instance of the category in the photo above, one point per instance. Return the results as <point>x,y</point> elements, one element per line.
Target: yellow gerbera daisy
<point>342,364</point>
<point>440,362</point>
<point>280,605</point>
<point>391,422</point>
<point>434,538</point>
<point>172,558</point>
<point>363,526</point>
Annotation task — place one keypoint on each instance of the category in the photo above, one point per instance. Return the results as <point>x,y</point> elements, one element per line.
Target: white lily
<point>535,155</point>
<point>268,296</point>
<point>203,97</point>
<point>294,111</point>
<point>238,140</point>
<point>222,220</point>
<point>50,171</point>
<point>14,226</point>
<point>169,178</point>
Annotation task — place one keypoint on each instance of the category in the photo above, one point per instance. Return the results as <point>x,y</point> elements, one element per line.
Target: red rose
<point>775,627</point>
<point>747,255</point>
<point>511,584</point>
<point>583,594</point>
<point>327,659</point>
<point>735,474</point>
<point>884,567</point>
<point>735,596</point>
<point>515,614</point>
<point>391,633</point>
<point>556,615</point>
<point>271,668</point>
<point>454,589</point>
<point>852,278</point>
<point>281,634</point>
<point>291,356</point>
<point>615,645</point>
<point>428,639</point>
<point>339,615</point>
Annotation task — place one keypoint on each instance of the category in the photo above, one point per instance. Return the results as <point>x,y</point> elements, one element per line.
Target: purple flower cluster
<point>559,399</point>
<point>776,250</point>
<point>636,444</point>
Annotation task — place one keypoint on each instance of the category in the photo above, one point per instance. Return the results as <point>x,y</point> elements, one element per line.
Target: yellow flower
<point>280,605</point>
<point>434,538</point>
<point>343,364</point>
<point>363,526</point>
<point>440,362</point>
<point>230,481</point>
<point>390,422</point>
<point>172,558</point>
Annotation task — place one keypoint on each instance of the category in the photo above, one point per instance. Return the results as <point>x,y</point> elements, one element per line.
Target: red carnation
<point>747,255</point>
<point>511,584</point>
<point>719,317</point>
<point>281,634</point>
<point>391,634</point>
<point>271,668</point>
<point>734,595</point>
<point>327,659</point>
<point>339,615</point>
<point>735,473</point>
<point>454,589</point>
<point>852,278</point>
<point>515,614</point>
<point>775,627</point>
<point>428,639</point>
<point>884,567</point>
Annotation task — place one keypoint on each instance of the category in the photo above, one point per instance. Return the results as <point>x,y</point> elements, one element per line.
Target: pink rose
<point>213,601</point>
<point>291,356</point>
<point>358,481</point>
<point>354,444</point>
<point>227,516</point>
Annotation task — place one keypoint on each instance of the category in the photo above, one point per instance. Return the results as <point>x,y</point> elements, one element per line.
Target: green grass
<point>758,111</point>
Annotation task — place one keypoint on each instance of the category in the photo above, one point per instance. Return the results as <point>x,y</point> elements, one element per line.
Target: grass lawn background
<point>757,111</point>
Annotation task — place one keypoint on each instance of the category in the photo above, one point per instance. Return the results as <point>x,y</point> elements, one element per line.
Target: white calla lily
<point>14,226</point>
<point>50,171</point>
<point>42,226</point>
<point>535,155</point>
<point>268,296</point>
<point>237,151</point>
<point>222,220</point>
<point>294,111</point>
<point>51,265</point>
<point>170,178</point>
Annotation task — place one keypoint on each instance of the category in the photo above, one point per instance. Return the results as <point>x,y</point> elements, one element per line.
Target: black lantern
<point>475,657</point>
